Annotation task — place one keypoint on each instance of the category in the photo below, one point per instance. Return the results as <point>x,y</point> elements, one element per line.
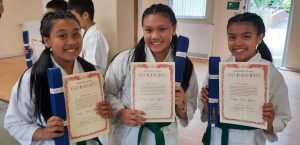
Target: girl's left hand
<point>104,109</point>
<point>269,115</point>
<point>179,97</point>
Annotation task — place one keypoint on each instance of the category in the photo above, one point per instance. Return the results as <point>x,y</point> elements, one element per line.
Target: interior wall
<point>220,18</point>
<point>115,19</point>
<point>16,12</point>
<point>292,53</point>
<point>106,21</point>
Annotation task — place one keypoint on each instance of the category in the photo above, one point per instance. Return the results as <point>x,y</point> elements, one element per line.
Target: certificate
<point>244,88</point>
<point>153,90</point>
<point>82,92</point>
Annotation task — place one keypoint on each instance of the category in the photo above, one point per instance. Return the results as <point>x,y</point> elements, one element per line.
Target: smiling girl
<point>157,45</point>
<point>29,118</point>
<point>245,34</point>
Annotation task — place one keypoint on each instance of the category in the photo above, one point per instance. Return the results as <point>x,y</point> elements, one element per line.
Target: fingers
<point>132,117</point>
<point>204,94</point>
<point>268,112</point>
<point>55,127</point>
<point>104,109</point>
<point>179,96</point>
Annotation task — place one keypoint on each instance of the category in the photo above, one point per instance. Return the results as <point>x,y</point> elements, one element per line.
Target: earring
<point>51,49</point>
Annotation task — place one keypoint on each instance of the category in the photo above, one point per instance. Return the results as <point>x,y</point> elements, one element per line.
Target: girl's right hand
<point>55,128</point>
<point>204,99</point>
<point>131,117</point>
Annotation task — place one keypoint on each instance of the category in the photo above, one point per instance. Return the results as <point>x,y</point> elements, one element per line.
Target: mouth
<point>70,50</point>
<point>156,43</point>
<point>239,50</point>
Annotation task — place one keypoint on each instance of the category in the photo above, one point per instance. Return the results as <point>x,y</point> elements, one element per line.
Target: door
<point>275,14</point>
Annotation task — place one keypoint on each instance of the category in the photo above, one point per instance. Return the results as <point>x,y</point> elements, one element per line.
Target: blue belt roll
<point>26,45</point>
<point>213,86</point>
<point>58,101</point>
<point>180,59</point>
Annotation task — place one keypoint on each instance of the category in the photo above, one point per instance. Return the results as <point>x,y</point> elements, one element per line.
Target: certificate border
<point>265,68</point>
<point>78,77</point>
<point>154,65</point>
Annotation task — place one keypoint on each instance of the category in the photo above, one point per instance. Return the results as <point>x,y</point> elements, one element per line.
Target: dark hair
<point>260,29</point>
<point>82,6</point>
<point>57,5</point>
<point>38,77</point>
<point>139,54</point>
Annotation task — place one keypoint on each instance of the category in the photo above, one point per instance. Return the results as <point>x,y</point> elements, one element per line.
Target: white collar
<point>150,57</point>
<point>76,68</point>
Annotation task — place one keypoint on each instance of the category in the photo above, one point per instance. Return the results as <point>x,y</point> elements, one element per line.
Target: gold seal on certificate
<point>82,92</point>
<point>153,90</point>
<point>244,88</point>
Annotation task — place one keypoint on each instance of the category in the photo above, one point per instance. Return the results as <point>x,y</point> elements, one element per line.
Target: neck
<point>160,57</point>
<point>89,25</point>
<point>66,65</point>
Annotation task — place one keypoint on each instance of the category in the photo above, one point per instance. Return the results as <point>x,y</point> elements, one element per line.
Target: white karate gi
<point>19,119</point>
<point>280,100</point>
<point>117,88</point>
<point>95,48</point>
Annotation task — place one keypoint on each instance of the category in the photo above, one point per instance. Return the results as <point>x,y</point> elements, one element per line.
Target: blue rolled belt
<point>26,45</point>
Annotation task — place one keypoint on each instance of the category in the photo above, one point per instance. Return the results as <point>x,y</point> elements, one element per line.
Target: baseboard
<point>289,69</point>
<point>197,55</point>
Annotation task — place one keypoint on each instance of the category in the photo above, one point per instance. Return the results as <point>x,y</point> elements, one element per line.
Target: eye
<point>245,37</point>
<point>231,37</point>
<point>148,30</point>
<point>62,36</point>
<point>162,29</point>
<point>76,34</point>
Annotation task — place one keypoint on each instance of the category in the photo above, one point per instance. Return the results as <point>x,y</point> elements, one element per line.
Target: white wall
<point>16,12</point>
<point>220,18</point>
<point>293,47</point>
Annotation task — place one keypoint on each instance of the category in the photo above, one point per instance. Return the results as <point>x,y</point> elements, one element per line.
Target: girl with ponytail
<point>245,34</point>
<point>157,45</point>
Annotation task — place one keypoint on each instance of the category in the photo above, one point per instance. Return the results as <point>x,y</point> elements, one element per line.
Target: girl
<point>245,41</point>
<point>157,45</point>
<point>29,118</point>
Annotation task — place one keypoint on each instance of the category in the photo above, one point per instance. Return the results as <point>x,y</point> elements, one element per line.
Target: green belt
<point>225,127</point>
<point>84,142</point>
<point>155,128</point>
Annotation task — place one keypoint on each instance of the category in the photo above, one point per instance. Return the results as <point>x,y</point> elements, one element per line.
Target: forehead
<point>65,24</point>
<point>241,27</point>
<point>156,20</point>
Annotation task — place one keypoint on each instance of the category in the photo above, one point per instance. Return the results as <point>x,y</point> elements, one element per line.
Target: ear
<point>174,30</point>
<point>260,38</point>
<point>85,15</point>
<point>47,42</point>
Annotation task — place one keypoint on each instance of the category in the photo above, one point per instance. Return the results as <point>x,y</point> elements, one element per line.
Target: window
<point>189,9</point>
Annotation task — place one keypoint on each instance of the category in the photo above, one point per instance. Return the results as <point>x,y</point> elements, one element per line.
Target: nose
<point>71,40</point>
<point>155,35</point>
<point>238,41</point>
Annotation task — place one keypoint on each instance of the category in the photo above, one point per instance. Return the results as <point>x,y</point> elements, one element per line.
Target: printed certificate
<point>244,88</point>
<point>82,92</point>
<point>153,90</point>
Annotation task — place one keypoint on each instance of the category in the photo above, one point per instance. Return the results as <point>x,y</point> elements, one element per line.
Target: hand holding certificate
<point>153,90</point>
<point>82,92</point>
<point>244,88</point>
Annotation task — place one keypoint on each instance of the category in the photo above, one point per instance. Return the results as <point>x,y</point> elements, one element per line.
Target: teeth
<point>239,50</point>
<point>70,50</point>
<point>156,43</point>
